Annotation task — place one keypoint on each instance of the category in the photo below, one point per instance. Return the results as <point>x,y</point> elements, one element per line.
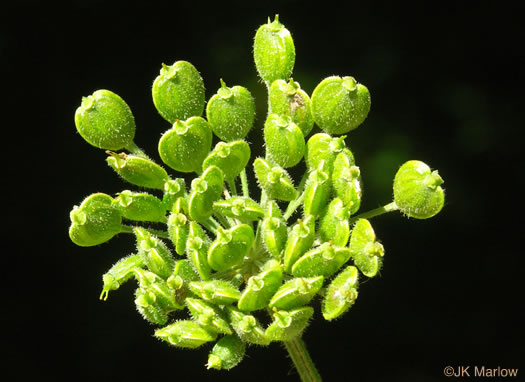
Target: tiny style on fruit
<point>227,269</point>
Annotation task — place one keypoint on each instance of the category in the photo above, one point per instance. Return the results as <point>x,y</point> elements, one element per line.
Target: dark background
<point>447,88</point>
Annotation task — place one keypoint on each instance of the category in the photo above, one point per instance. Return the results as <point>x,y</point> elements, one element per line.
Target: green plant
<point>226,263</point>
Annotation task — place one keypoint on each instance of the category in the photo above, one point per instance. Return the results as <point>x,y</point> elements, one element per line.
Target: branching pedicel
<point>229,261</point>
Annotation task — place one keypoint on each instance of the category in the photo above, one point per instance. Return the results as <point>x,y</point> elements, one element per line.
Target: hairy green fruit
<point>323,149</point>
<point>226,353</point>
<point>317,191</point>
<point>339,105</point>
<point>261,287</point>
<point>205,190</point>
<point>247,327</point>
<point>274,180</point>
<point>230,247</point>
<point>197,246</point>
<point>417,190</point>
<point>284,140</point>
<point>155,254</point>
<point>178,92</point>
<point>119,273</point>
<point>142,172</point>
<point>231,112</point>
<point>288,99</point>
<point>365,250</point>
<point>239,207</point>
<point>274,51</point>
<point>289,324</point>
<point>140,206</point>
<point>324,260</point>
<point>296,292</point>
<point>185,334</point>
<point>346,179</point>
<point>300,240</point>
<point>274,231</point>
<point>334,225</point>
<point>105,121</point>
<point>231,158</point>
<point>185,146</point>
<point>216,291</point>
<point>208,316</point>
<point>341,293</point>
<point>95,221</point>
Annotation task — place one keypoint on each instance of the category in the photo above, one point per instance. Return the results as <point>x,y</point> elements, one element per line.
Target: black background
<point>447,88</point>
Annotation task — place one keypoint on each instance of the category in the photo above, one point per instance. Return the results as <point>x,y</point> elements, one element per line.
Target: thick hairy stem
<point>302,361</point>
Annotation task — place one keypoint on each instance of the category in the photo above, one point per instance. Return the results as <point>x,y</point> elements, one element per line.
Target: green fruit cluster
<point>224,261</point>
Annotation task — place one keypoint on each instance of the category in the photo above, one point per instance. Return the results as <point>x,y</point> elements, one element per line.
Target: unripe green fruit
<point>334,225</point>
<point>95,221</point>
<point>184,147</point>
<point>178,230</point>
<point>289,324</point>
<point>339,105</point>
<point>288,99</point>
<point>274,51</point>
<point>204,191</point>
<point>346,180</point>
<point>231,112</point>
<point>226,353</point>
<point>230,247</point>
<point>178,92</point>
<point>146,304</point>
<point>208,316</point>
<point>300,239</point>
<point>366,252</point>
<point>231,158</point>
<point>119,273</point>
<point>197,246</point>
<point>296,292</point>
<point>239,207</point>
<point>321,148</point>
<point>173,198</point>
<point>317,191</point>
<point>218,292</point>
<point>417,190</point>
<point>274,180</point>
<point>156,287</point>
<point>185,334</point>
<point>324,260</point>
<point>273,230</point>
<point>137,170</point>
<point>247,327</point>
<point>105,121</point>
<point>341,293</point>
<point>261,287</point>
<point>155,254</point>
<point>284,140</point>
<point>140,206</point>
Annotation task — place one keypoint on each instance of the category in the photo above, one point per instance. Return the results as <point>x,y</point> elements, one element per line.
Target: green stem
<point>232,186</point>
<point>222,220</point>
<point>211,225</point>
<point>375,212</point>
<point>302,361</point>
<point>155,232</point>
<point>292,206</point>
<point>135,150</point>
<point>244,182</point>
